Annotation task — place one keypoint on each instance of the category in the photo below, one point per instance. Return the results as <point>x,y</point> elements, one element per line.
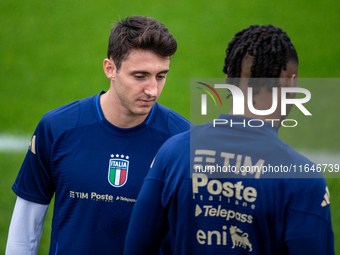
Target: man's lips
<point>146,101</point>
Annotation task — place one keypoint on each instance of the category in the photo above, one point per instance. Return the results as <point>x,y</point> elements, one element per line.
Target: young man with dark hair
<point>242,210</point>
<point>94,154</point>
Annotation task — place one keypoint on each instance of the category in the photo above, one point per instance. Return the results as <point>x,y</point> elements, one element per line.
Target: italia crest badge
<point>118,170</point>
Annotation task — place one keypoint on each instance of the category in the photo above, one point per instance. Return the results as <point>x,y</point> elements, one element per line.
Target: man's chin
<point>143,110</point>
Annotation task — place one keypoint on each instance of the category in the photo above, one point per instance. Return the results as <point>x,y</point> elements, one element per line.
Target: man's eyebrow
<point>165,71</point>
<point>145,72</point>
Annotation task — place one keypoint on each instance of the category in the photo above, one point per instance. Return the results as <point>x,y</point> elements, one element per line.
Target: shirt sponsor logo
<point>94,196</point>
<point>239,239</point>
<point>205,161</point>
<point>126,199</point>
<point>227,189</point>
<point>219,211</point>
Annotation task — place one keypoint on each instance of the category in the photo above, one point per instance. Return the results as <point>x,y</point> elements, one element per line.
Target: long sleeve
<point>148,224</point>
<point>26,228</point>
<point>309,224</point>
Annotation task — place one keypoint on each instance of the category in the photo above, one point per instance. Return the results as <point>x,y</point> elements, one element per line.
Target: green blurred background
<point>51,53</point>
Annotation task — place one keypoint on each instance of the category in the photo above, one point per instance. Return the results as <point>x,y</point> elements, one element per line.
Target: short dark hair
<point>139,32</point>
<point>270,47</point>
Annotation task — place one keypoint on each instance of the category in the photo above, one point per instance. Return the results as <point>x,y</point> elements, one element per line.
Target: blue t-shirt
<point>95,170</point>
<point>206,192</point>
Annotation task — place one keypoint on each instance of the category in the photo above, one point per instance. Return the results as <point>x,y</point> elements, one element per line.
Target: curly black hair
<point>270,47</point>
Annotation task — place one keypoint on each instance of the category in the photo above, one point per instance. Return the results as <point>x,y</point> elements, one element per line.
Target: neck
<point>272,118</point>
<point>117,114</point>
<point>262,101</point>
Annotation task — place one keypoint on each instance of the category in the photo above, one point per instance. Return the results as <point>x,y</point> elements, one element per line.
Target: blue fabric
<point>95,171</point>
<point>231,212</point>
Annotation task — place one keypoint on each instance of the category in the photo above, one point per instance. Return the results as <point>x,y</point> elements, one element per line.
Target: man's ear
<point>291,82</point>
<point>109,68</point>
<point>290,75</point>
